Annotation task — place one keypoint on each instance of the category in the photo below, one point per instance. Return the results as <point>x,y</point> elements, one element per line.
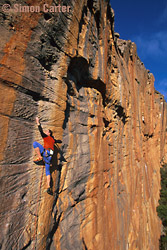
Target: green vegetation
<point>162,208</point>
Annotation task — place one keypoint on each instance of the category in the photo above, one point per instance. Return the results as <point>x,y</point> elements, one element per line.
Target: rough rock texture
<point>93,91</point>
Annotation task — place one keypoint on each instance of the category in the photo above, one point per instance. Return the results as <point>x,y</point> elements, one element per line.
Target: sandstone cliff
<point>92,90</point>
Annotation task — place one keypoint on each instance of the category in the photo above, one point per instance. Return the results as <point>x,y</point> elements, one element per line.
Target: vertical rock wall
<point>93,91</point>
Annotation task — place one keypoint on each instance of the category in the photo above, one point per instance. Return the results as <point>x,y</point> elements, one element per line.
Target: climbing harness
<point>47,152</point>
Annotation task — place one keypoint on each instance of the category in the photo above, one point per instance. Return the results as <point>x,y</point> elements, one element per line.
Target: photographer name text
<point>46,8</point>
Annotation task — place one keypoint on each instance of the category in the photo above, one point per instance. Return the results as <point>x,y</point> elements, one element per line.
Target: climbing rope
<point>36,218</point>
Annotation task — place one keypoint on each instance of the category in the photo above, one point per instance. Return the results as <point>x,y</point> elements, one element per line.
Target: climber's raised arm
<point>43,134</point>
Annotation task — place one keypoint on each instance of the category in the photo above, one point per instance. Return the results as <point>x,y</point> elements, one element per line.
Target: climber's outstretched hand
<point>37,121</point>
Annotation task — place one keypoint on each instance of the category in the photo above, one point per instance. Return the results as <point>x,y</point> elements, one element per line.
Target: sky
<point>145,23</point>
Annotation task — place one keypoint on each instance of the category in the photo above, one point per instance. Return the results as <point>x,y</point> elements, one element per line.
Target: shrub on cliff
<point>162,208</point>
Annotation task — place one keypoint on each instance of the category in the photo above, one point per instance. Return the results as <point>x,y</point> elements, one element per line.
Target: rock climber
<point>45,152</point>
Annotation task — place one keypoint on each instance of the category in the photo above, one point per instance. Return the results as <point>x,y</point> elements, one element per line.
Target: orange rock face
<point>92,90</point>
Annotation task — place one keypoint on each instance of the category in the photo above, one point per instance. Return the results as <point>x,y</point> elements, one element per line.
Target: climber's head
<point>48,132</point>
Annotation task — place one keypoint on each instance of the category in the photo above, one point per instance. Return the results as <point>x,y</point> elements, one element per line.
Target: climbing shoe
<point>49,191</point>
<point>39,161</point>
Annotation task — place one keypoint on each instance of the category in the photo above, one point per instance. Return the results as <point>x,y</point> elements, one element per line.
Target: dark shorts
<point>47,158</point>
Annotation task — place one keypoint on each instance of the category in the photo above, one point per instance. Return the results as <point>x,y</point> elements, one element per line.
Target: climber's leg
<point>39,150</point>
<point>47,170</point>
<point>48,180</point>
